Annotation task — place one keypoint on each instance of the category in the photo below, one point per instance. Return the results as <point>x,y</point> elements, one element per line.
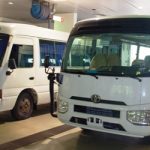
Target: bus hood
<point>116,90</point>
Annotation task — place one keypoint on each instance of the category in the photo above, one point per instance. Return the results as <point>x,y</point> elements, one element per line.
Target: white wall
<point>69,19</point>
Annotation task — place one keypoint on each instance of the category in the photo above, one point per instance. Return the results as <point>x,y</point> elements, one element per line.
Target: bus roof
<point>34,31</point>
<point>107,24</point>
<point>115,17</point>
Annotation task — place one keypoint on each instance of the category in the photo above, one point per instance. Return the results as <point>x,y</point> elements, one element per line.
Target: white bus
<point>105,76</point>
<point>23,83</point>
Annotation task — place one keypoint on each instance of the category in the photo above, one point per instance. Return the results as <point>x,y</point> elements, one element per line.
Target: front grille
<point>97,111</point>
<point>106,125</point>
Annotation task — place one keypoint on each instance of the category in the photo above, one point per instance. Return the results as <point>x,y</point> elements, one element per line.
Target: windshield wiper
<point>134,77</point>
<point>130,76</point>
<point>110,70</point>
<point>79,72</point>
<point>120,74</point>
<point>93,75</point>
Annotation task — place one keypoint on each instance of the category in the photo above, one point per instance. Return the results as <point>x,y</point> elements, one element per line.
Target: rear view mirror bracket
<point>11,66</point>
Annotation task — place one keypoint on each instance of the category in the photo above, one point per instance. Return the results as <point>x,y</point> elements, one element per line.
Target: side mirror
<point>46,62</point>
<point>12,64</point>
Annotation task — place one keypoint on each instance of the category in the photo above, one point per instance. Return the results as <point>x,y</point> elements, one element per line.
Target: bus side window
<point>47,49</point>
<point>23,55</point>
<point>59,48</point>
<point>52,49</point>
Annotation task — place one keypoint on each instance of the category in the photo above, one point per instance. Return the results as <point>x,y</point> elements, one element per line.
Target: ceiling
<point>20,10</point>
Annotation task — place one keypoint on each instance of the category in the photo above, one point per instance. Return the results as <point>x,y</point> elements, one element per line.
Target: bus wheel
<point>24,107</point>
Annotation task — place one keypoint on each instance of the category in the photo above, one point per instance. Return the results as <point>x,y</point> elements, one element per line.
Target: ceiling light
<point>10,3</point>
<point>140,7</point>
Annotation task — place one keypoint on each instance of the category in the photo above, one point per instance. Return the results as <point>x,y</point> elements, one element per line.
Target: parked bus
<point>23,83</point>
<point>105,76</point>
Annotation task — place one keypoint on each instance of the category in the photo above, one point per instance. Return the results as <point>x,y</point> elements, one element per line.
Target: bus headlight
<point>62,106</point>
<point>139,117</point>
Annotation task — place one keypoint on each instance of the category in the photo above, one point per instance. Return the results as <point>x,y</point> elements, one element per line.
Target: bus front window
<point>108,54</point>
<point>3,44</point>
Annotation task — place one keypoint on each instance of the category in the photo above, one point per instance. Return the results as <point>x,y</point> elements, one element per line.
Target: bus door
<point>22,52</point>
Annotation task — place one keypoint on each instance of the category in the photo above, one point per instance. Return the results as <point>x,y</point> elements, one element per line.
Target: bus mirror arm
<point>11,65</point>
<point>46,64</point>
<point>52,78</point>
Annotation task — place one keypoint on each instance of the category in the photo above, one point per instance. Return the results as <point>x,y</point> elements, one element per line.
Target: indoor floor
<point>42,132</point>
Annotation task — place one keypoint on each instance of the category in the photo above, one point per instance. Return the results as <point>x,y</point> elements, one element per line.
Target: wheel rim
<point>25,106</point>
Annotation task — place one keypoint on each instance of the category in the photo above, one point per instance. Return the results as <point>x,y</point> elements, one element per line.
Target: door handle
<point>31,78</point>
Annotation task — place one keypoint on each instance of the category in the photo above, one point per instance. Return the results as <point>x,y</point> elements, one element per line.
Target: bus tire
<point>24,107</point>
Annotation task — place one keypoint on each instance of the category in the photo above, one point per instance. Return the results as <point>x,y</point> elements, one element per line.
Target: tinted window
<point>23,55</point>
<point>3,44</point>
<point>52,49</point>
<point>109,54</point>
<point>59,52</point>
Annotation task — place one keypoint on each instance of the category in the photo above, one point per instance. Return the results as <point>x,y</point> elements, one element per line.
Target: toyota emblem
<point>95,98</point>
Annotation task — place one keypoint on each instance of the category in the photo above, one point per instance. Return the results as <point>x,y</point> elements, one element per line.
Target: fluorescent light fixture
<point>10,3</point>
<point>140,7</point>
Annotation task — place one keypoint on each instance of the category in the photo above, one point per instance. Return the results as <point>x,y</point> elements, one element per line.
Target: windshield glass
<point>3,44</point>
<point>108,54</point>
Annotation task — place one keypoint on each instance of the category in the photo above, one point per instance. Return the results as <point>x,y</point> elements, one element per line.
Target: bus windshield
<point>3,44</point>
<point>113,54</point>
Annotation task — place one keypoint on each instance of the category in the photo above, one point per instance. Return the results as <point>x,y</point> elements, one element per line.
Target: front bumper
<point>103,117</point>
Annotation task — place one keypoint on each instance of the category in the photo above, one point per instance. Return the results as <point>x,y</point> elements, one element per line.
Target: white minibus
<point>23,83</point>
<point>105,76</point>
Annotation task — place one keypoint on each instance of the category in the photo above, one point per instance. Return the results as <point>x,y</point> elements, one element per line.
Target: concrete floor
<point>76,140</point>
<point>37,133</point>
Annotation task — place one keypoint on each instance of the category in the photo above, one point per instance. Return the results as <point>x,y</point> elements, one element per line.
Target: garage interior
<point>42,131</point>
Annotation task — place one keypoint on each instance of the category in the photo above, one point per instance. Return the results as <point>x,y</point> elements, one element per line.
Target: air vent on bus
<point>97,111</point>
